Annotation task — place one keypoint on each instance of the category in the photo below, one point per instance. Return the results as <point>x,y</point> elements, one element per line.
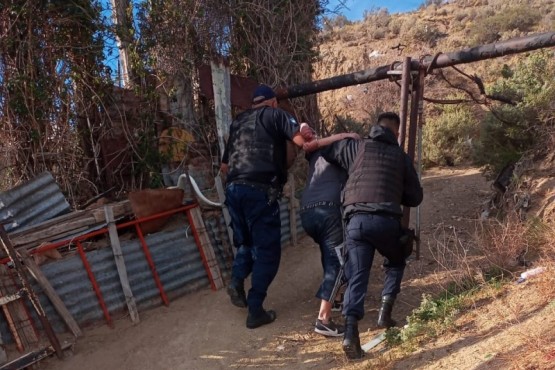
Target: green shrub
<point>448,138</point>
<point>512,130</point>
<point>489,27</point>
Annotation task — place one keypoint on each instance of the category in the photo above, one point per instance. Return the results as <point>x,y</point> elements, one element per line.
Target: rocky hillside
<point>383,38</point>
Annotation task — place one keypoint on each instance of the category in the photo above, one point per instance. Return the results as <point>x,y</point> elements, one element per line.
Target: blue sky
<point>357,7</point>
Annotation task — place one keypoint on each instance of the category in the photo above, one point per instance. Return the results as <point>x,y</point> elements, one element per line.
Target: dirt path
<point>204,331</point>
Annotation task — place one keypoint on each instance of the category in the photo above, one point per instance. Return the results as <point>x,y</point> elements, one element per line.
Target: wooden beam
<point>120,264</point>
<point>55,299</point>
<point>225,211</point>
<point>206,249</point>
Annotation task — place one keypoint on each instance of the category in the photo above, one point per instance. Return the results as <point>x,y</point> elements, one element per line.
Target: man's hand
<point>223,168</point>
<point>307,132</point>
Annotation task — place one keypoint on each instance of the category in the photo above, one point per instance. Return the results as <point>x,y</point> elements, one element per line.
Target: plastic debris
<point>529,273</point>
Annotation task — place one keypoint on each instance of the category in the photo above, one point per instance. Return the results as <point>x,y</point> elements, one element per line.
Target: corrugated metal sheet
<point>33,202</point>
<point>177,261</point>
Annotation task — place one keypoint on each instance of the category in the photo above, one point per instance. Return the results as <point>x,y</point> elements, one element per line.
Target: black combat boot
<point>236,292</point>
<point>384,316</point>
<point>351,340</point>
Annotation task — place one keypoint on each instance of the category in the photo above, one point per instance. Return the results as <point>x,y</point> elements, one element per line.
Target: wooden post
<point>205,248</point>
<point>292,209</point>
<point>120,264</point>
<point>58,304</point>
<point>225,211</point>
<point>222,101</point>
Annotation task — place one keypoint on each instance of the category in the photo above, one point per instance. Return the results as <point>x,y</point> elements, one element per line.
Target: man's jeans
<point>257,236</point>
<point>325,226</point>
<point>366,233</point>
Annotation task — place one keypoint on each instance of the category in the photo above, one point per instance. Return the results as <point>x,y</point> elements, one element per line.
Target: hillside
<point>383,38</point>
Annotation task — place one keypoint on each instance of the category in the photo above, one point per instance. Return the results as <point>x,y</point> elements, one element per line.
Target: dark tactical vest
<point>377,174</point>
<point>251,153</point>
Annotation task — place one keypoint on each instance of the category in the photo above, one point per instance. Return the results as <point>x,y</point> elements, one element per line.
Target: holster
<point>406,241</point>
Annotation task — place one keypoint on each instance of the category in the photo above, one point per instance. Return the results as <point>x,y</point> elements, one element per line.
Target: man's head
<point>390,120</point>
<point>264,95</point>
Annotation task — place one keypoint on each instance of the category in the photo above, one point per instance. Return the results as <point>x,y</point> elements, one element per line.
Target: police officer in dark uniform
<point>381,179</point>
<point>256,158</point>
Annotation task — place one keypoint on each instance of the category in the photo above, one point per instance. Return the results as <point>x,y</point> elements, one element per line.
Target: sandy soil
<point>204,331</point>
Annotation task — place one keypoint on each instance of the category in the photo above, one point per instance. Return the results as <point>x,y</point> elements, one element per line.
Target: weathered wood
<point>10,251</point>
<point>11,297</point>
<point>225,211</point>
<point>15,313</point>
<point>292,209</point>
<point>203,242</point>
<point>65,225</point>
<point>120,264</point>
<point>31,358</point>
<point>57,302</point>
<point>13,329</point>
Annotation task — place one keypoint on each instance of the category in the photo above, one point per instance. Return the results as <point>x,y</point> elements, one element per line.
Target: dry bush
<point>378,33</point>
<point>504,243</point>
<point>396,25</point>
<point>453,254</point>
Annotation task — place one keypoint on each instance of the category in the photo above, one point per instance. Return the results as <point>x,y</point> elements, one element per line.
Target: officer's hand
<point>352,135</point>
<point>306,132</point>
<point>310,146</point>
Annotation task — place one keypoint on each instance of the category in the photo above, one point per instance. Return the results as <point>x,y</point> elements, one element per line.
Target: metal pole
<point>417,90</point>
<point>94,283</point>
<point>468,55</point>
<point>421,78</point>
<point>405,90</point>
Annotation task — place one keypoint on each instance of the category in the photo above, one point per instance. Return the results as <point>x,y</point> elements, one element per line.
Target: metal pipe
<point>152,266</point>
<point>468,55</point>
<point>104,230</point>
<point>420,117</point>
<point>405,221</point>
<point>405,89</point>
<point>94,283</point>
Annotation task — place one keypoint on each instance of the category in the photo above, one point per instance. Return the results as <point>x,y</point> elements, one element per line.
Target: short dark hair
<point>392,116</point>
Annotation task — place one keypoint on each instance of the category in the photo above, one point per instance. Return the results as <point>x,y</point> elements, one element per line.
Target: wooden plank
<point>11,297</point>
<point>120,264</point>
<point>57,302</point>
<point>292,209</point>
<point>31,358</point>
<point>68,224</point>
<point>32,240</point>
<point>119,209</point>
<point>206,247</point>
<point>225,211</point>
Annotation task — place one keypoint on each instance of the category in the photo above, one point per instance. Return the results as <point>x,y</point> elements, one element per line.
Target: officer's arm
<point>341,153</point>
<point>320,143</point>
<point>412,190</point>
